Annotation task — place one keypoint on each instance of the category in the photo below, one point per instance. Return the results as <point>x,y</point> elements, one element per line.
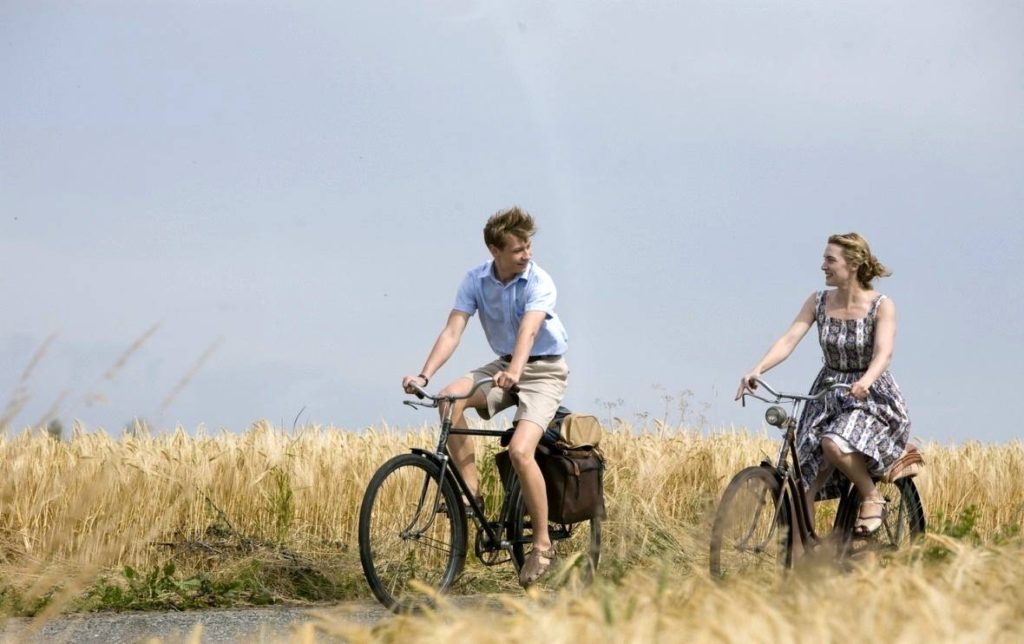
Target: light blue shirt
<point>502,307</point>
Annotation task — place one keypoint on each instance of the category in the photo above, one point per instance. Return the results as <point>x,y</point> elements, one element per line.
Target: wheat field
<point>79,511</point>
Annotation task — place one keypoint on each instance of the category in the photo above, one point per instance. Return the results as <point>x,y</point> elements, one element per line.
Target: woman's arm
<point>783,347</point>
<point>881,357</point>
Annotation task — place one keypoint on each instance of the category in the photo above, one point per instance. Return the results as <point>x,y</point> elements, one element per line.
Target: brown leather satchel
<point>910,464</point>
<point>574,478</point>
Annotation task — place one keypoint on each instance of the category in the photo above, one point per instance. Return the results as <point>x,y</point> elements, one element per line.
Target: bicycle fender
<point>427,454</point>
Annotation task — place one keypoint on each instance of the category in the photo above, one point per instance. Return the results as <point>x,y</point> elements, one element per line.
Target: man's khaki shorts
<point>541,390</point>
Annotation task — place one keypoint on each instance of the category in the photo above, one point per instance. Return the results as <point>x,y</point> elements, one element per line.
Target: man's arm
<point>445,345</point>
<point>528,328</point>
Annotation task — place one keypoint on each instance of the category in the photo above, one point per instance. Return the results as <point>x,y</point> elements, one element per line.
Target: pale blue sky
<point>305,183</point>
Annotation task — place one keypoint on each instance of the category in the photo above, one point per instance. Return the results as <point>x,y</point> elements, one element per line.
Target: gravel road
<point>263,624</point>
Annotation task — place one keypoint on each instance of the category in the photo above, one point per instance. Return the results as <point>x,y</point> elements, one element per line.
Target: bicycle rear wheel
<point>408,549</point>
<point>751,534</point>
<point>908,524</point>
<point>904,519</point>
<point>578,542</point>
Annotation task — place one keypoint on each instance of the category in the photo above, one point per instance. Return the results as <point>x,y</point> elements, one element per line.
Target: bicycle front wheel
<point>751,534</point>
<point>411,543</point>
<point>579,543</point>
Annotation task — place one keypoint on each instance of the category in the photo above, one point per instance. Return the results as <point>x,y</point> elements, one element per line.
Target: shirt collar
<point>525,275</point>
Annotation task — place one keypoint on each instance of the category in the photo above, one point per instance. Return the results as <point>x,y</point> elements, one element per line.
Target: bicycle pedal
<point>498,559</point>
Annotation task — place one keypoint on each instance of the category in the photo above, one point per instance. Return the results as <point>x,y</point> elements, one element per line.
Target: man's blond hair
<point>514,221</point>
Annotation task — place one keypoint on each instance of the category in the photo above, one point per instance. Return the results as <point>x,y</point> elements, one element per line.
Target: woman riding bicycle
<point>862,431</point>
<point>516,301</point>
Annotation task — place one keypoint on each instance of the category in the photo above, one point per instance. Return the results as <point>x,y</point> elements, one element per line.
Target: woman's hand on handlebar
<point>747,383</point>
<point>860,389</point>
<point>409,382</point>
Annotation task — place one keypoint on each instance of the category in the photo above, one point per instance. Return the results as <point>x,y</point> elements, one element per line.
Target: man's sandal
<point>536,564</point>
<point>869,525</point>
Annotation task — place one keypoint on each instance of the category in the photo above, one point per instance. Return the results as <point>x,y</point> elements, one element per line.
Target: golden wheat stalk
<point>192,371</point>
<point>20,396</point>
<point>95,503</point>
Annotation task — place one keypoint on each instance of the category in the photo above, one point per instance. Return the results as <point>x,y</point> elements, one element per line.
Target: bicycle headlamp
<point>776,415</point>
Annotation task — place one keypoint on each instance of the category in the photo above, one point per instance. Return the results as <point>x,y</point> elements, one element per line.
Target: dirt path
<point>262,624</point>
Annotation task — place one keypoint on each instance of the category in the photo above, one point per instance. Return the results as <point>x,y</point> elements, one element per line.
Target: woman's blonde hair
<point>857,253</point>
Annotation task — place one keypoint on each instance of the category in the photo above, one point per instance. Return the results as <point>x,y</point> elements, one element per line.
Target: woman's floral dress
<point>877,427</point>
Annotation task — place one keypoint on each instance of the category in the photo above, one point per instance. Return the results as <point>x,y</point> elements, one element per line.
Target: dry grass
<point>75,511</point>
<point>976,597</point>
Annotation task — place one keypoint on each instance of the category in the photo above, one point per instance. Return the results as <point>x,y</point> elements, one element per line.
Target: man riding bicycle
<point>516,301</point>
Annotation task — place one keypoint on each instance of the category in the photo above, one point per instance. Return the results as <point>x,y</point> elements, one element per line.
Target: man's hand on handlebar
<point>506,380</point>
<point>411,384</point>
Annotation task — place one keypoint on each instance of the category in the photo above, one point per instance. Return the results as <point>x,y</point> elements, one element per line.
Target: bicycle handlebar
<point>830,385</point>
<point>436,400</point>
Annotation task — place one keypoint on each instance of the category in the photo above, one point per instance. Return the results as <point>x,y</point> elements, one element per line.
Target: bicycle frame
<point>453,476</point>
<point>791,478</point>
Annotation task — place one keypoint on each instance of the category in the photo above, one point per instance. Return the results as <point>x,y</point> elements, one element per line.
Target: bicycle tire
<point>403,570</point>
<point>752,530</point>
<point>580,541</point>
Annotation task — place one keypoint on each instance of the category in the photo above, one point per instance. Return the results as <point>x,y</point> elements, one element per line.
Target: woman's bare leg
<point>854,466</point>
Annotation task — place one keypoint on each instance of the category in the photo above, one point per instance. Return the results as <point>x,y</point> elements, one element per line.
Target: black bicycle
<point>764,520</point>
<point>413,528</point>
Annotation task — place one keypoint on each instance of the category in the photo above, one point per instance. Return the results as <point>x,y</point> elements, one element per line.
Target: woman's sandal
<point>869,525</point>
<point>536,564</point>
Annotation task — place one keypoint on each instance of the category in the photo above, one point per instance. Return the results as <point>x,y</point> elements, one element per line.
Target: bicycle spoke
<point>436,544</point>
<point>900,519</point>
<point>753,527</point>
<point>750,533</point>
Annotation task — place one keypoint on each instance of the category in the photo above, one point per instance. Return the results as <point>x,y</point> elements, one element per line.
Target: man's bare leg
<point>462,449</point>
<point>521,450</point>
